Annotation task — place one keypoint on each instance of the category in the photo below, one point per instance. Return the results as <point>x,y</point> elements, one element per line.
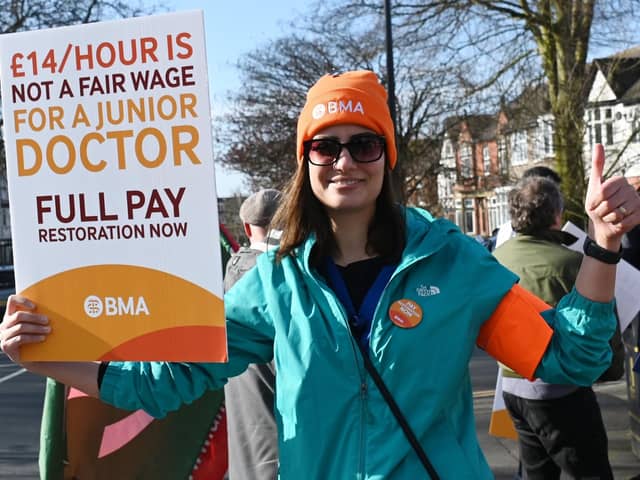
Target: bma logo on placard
<point>95,306</point>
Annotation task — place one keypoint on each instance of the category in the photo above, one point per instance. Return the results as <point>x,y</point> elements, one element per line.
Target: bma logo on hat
<point>336,107</point>
<point>318,111</point>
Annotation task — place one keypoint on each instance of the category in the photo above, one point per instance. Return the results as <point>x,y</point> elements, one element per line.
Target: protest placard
<point>627,281</point>
<point>114,219</point>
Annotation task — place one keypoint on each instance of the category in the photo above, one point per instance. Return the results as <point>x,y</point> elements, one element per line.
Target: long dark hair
<point>301,214</point>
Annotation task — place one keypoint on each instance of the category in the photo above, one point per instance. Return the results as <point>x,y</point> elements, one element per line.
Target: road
<point>20,408</point>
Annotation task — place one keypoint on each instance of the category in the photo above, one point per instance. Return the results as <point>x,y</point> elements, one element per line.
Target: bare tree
<point>499,46</point>
<point>17,16</point>
<point>258,136</point>
<point>562,31</point>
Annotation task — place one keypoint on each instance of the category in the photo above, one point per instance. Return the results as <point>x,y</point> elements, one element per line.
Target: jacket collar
<point>424,236</point>
<point>556,236</point>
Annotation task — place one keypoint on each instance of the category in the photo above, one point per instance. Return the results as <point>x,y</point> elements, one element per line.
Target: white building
<point>612,112</point>
<point>523,138</point>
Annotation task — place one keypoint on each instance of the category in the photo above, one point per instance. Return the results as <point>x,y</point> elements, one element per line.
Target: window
<point>445,191</point>
<point>600,127</point>
<point>459,215</point>
<point>502,156</point>
<point>486,160</point>
<point>608,126</point>
<point>468,215</point>
<point>545,132</point>
<point>466,161</point>
<point>499,208</point>
<point>449,159</point>
<point>503,205</point>
<point>465,214</point>
<point>519,148</point>
<point>494,221</point>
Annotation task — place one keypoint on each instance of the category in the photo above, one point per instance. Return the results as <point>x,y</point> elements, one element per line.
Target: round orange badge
<point>405,313</point>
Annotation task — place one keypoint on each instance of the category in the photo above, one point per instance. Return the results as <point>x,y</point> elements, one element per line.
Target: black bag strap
<point>406,428</point>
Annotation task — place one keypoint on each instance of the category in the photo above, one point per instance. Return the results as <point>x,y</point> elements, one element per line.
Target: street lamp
<point>398,173</point>
<point>391,87</point>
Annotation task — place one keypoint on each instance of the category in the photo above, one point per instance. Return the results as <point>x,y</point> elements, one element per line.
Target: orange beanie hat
<point>352,97</point>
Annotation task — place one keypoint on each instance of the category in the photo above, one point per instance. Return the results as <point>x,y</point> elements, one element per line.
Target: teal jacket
<point>333,423</point>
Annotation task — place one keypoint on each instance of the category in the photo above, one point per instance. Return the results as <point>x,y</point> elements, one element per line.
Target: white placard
<point>107,131</point>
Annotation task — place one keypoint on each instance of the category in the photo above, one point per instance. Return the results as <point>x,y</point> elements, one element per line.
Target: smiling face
<point>347,186</point>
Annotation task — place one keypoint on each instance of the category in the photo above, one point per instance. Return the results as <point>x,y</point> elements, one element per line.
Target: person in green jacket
<point>559,426</point>
<point>360,284</point>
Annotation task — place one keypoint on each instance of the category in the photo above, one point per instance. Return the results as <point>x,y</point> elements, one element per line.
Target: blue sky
<point>233,28</point>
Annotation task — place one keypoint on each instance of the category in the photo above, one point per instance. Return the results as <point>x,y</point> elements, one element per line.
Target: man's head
<point>542,171</point>
<point>258,208</point>
<point>535,205</point>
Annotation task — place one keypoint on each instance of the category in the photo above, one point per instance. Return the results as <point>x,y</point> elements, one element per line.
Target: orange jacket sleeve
<point>516,334</point>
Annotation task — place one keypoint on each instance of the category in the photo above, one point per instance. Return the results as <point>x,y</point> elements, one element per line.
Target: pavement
<point>502,454</point>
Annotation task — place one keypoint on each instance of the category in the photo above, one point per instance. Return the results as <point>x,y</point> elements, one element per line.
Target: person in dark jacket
<point>559,427</point>
<point>631,253</point>
<point>251,424</point>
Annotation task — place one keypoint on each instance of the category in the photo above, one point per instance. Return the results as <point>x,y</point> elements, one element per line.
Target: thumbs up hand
<point>612,205</point>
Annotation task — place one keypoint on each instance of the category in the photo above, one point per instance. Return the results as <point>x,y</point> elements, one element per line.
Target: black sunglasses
<point>365,148</point>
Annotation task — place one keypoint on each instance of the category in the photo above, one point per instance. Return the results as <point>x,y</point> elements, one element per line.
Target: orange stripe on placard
<point>97,309</point>
<point>501,425</point>
<point>516,334</point>
<point>179,344</point>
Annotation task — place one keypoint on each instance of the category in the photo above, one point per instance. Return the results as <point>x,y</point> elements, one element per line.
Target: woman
<point>356,270</point>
